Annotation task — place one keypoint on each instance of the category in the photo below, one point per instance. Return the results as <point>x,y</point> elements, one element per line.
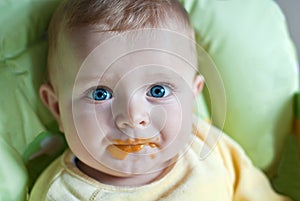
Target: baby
<point>122,83</point>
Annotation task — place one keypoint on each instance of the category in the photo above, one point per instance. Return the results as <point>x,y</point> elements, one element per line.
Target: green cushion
<point>23,115</point>
<point>23,51</point>
<point>12,173</point>
<point>23,23</point>
<point>252,50</point>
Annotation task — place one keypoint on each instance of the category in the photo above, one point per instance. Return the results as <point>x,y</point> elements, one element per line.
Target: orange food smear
<point>152,145</point>
<point>121,149</point>
<point>133,141</point>
<point>130,148</point>
<point>116,153</point>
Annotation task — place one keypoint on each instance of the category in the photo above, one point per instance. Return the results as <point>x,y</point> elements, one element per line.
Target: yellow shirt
<point>225,174</point>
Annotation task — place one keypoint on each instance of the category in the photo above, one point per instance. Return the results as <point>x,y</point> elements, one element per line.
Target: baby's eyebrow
<point>161,76</point>
<point>95,79</point>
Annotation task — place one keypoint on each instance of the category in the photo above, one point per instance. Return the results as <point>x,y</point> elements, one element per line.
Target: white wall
<point>291,9</point>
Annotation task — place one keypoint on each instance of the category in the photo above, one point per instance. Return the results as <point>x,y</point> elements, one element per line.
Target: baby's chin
<point>141,176</point>
<point>135,165</point>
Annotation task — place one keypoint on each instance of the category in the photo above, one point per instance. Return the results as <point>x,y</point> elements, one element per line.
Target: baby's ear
<point>50,100</point>
<point>198,85</point>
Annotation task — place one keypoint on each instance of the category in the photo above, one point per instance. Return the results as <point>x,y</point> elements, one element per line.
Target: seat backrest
<point>248,42</point>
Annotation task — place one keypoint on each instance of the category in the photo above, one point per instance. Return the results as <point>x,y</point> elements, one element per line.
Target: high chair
<point>249,44</point>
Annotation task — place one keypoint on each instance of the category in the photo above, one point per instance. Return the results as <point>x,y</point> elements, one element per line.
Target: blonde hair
<point>113,16</point>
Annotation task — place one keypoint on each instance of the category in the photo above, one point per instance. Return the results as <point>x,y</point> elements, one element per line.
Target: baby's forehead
<point>85,43</point>
<point>139,52</point>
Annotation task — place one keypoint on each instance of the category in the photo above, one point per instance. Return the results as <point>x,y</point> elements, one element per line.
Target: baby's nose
<point>136,113</point>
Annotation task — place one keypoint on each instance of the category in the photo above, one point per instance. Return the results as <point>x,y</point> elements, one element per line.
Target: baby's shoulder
<point>49,177</point>
<point>218,145</point>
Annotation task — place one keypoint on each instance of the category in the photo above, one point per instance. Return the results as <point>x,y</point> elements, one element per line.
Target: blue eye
<point>100,94</point>
<point>159,91</point>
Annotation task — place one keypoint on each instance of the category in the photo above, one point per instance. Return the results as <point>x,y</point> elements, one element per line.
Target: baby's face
<point>126,100</point>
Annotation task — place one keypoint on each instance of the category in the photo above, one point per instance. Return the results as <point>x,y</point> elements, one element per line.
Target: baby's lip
<point>136,142</point>
<point>121,148</point>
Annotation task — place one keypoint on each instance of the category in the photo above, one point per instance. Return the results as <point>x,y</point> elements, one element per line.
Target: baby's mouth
<point>120,149</point>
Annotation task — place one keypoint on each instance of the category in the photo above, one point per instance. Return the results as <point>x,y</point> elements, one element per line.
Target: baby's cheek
<point>178,123</point>
<point>173,123</point>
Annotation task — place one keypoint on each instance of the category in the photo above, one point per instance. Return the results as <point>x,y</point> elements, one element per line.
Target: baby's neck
<point>134,180</point>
